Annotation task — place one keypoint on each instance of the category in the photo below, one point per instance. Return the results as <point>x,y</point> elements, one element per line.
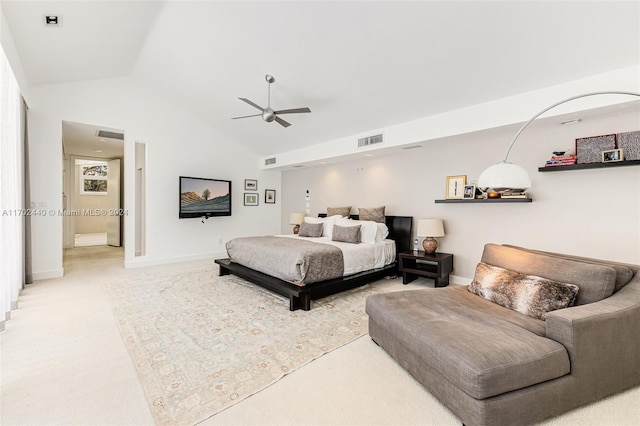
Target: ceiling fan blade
<point>293,111</point>
<point>282,122</point>
<point>251,103</point>
<point>246,116</point>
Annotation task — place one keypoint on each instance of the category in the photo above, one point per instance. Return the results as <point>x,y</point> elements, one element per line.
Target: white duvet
<point>358,257</point>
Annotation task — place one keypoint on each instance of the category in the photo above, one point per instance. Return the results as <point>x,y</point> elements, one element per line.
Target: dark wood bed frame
<point>300,297</point>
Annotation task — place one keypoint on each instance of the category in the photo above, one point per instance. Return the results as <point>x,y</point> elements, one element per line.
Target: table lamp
<point>430,228</point>
<point>296,219</point>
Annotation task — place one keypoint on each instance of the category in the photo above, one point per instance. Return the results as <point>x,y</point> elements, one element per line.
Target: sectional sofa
<point>490,363</point>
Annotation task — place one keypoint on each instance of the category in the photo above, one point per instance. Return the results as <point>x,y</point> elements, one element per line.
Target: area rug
<point>201,343</point>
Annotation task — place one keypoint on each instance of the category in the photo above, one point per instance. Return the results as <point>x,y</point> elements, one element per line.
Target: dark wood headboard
<point>399,230</point>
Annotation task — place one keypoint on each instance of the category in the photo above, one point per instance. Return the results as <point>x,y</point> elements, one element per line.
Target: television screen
<point>200,197</point>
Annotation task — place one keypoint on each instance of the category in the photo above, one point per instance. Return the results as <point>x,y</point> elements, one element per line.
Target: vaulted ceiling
<point>358,65</point>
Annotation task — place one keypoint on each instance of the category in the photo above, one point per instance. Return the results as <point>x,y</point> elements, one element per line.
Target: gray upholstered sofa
<point>494,366</point>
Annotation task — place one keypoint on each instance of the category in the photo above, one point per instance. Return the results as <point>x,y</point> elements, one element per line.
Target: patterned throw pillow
<point>527,294</point>
<point>342,211</point>
<point>313,230</point>
<point>375,214</point>
<point>346,234</point>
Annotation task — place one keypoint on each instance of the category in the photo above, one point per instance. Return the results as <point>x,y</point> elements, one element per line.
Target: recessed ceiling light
<point>574,121</point>
<point>98,150</point>
<point>324,162</point>
<point>368,155</point>
<point>53,20</point>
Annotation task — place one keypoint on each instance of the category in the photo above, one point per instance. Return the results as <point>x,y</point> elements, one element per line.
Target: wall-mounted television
<point>201,197</point>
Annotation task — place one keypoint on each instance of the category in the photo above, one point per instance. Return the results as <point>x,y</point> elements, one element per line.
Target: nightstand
<point>436,266</point>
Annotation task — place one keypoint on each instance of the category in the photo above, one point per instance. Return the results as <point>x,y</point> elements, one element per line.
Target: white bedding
<point>358,257</point>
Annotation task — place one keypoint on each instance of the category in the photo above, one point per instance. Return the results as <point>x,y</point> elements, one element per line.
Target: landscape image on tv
<point>200,197</point>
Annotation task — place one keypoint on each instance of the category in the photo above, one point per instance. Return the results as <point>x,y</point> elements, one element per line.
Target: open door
<point>113,195</point>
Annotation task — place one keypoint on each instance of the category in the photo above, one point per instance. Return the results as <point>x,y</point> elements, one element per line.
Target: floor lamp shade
<point>505,176</point>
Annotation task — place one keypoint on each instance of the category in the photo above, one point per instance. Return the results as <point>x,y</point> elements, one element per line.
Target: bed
<point>301,292</point>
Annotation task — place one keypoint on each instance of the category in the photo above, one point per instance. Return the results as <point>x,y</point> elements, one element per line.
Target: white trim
<point>47,275</point>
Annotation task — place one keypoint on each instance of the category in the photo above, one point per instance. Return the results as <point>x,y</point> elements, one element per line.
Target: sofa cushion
<point>527,294</point>
<point>624,274</point>
<point>596,282</point>
<point>442,329</point>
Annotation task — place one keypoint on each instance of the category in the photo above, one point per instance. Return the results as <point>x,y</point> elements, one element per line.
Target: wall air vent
<point>270,161</point>
<point>370,140</point>
<point>110,135</point>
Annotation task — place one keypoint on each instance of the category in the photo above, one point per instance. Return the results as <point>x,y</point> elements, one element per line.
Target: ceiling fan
<point>269,114</point>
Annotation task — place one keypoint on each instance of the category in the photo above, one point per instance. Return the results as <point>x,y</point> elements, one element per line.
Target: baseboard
<point>47,275</point>
<point>142,261</point>
<point>454,279</point>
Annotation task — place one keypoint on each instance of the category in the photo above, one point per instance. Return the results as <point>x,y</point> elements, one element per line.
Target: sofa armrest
<point>602,338</point>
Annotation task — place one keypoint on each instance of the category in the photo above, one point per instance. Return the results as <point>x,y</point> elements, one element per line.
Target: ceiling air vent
<point>270,161</point>
<point>370,140</point>
<point>110,135</point>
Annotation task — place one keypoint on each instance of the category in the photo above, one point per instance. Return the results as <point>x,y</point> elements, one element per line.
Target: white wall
<point>177,144</point>
<point>593,213</point>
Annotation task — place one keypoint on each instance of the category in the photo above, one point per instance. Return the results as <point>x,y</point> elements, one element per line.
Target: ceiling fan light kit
<point>268,114</point>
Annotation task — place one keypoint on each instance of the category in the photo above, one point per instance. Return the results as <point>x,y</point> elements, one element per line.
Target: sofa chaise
<point>490,363</point>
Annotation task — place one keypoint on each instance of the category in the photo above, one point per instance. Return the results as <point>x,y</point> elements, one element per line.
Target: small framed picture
<point>455,187</point>
<point>250,185</point>
<point>250,199</point>
<point>270,196</point>
<point>469,192</point>
<point>612,155</point>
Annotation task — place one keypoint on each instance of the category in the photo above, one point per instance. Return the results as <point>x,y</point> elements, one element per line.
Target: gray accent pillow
<point>346,234</point>
<point>313,230</point>
<point>527,294</point>
<point>596,282</point>
<point>375,214</point>
<point>342,211</point>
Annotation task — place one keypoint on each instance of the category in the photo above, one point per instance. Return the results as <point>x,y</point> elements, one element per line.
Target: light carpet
<point>201,343</point>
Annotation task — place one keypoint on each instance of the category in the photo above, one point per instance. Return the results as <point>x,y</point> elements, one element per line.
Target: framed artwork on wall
<point>250,184</point>
<point>455,187</point>
<point>270,196</point>
<point>250,199</point>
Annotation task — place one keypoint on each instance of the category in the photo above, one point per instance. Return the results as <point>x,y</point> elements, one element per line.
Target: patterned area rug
<point>201,343</point>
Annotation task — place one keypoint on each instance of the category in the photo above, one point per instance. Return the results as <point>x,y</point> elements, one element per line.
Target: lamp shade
<point>296,218</point>
<point>504,176</point>
<point>430,228</point>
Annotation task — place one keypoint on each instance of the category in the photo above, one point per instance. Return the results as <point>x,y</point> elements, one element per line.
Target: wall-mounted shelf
<point>589,166</point>
<point>487,200</point>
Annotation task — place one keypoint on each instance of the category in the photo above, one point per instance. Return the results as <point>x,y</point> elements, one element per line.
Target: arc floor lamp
<point>507,176</point>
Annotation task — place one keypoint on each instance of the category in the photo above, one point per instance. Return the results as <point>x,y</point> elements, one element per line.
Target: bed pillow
<point>382,232</point>
<point>375,214</point>
<point>313,230</point>
<point>368,229</point>
<point>346,234</point>
<point>326,221</point>
<point>527,294</point>
<point>341,211</point>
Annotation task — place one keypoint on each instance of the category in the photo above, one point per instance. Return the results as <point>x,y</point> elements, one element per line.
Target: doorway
<point>93,184</point>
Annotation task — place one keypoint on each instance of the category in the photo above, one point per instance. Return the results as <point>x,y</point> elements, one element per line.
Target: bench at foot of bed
<point>300,296</point>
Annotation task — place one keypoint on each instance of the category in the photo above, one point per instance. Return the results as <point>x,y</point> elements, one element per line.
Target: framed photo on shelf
<point>612,155</point>
<point>469,192</point>
<point>250,199</point>
<point>455,187</point>
<point>269,196</point>
<point>250,184</point>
